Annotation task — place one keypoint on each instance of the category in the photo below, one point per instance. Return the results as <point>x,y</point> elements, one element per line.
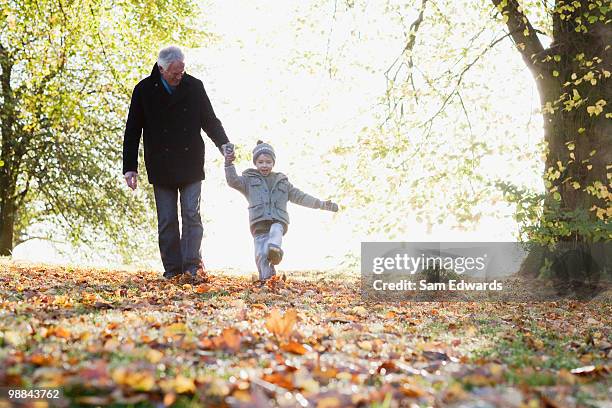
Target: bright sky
<point>262,87</point>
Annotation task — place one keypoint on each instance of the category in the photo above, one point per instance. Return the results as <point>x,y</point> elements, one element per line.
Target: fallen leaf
<point>154,356</point>
<point>412,391</point>
<point>139,381</point>
<point>13,338</point>
<point>42,359</point>
<point>174,329</point>
<point>590,370</point>
<point>202,288</point>
<point>359,311</point>
<point>454,392</point>
<point>231,339</point>
<point>283,380</point>
<point>61,332</point>
<point>111,345</point>
<point>324,374</point>
<point>182,384</point>
<point>388,367</point>
<point>281,325</point>
<point>435,355</point>
<point>169,399</point>
<point>329,402</point>
<point>294,347</point>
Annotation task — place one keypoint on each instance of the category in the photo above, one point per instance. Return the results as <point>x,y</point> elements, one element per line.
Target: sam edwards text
<point>423,285</point>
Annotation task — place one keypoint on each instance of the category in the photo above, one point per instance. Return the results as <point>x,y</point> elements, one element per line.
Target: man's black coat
<point>170,125</point>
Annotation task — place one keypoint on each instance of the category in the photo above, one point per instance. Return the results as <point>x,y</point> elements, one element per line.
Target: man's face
<point>174,73</point>
<point>264,164</point>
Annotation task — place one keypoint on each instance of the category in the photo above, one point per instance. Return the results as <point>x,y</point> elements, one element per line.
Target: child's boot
<point>275,254</point>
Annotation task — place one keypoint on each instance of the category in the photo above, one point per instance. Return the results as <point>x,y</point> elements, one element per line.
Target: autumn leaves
<point>117,337</point>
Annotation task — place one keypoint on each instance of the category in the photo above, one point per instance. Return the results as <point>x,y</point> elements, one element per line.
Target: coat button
<point>165,130</point>
<point>185,129</point>
<point>186,149</point>
<point>184,109</point>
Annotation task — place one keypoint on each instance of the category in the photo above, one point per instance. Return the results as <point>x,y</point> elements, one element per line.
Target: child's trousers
<point>274,236</point>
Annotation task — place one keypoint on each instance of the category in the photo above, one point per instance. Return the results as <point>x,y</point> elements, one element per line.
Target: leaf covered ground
<point>123,338</point>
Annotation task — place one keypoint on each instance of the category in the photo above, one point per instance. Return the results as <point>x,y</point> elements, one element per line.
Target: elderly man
<point>169,108</point>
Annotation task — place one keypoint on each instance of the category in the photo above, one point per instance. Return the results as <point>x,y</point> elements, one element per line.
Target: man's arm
<point>209,121</point>
<point>133,131</point>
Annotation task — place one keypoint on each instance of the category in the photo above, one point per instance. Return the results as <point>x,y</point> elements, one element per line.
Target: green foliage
<point>542,219</point>
<point>71,67</point>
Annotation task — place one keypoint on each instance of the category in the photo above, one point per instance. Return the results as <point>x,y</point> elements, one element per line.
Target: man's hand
<point>329,206</point>
<point>131,178</point>
<point>228,153</point>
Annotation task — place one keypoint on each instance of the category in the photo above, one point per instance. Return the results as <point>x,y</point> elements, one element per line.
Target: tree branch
<point>460,78</point>
<point>27,238</point>
<point>523,34</point>
<point>411,40</point>
<point>331,30</point>
<point>465,112</point>
<point>411,36</point>
<point>20,197</point>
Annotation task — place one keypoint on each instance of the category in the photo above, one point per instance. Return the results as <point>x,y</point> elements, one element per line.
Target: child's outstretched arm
<point>232,178</point>
<point>299,197</point>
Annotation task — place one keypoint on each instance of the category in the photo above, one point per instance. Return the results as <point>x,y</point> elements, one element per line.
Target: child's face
<point>264,164</point>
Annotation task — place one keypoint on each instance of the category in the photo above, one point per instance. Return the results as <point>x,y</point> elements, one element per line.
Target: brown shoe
<point>197,275</point>
<point>275,254</point>
<point>171,274</point>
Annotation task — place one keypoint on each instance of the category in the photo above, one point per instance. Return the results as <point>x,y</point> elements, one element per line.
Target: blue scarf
<point>169,88</point>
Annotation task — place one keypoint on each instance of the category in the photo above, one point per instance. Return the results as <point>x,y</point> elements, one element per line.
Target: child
<point>267,193</point>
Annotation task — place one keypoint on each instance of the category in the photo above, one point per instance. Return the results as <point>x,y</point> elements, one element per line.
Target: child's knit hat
<point>262,148</point>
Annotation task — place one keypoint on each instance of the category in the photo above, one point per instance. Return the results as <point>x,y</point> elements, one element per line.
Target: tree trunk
<point>8,176</point>
<point>578,140</point>
<point>7,224</point>
<point>572,80</point>
<point>8,199</point>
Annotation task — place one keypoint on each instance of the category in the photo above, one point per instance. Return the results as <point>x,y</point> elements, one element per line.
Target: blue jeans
<point>262,241</point>
<point>179,253</point>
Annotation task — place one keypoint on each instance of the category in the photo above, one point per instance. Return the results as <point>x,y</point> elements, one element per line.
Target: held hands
<point>329,206</point>
<point>131,178</point>
<point>228,153</point>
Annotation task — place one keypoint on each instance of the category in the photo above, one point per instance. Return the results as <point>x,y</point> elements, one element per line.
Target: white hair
<point>169,55</point>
